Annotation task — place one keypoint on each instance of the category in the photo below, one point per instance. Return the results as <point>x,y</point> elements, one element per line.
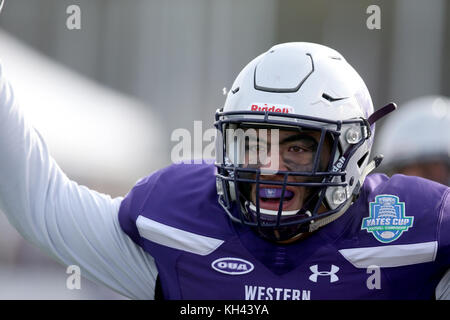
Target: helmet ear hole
<point>361,161</point>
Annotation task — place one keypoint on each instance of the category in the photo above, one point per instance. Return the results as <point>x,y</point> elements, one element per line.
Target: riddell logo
<point>340,163</point>
<point>271,108</point>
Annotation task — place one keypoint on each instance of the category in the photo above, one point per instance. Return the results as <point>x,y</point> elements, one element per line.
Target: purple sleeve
<point>132,204</point>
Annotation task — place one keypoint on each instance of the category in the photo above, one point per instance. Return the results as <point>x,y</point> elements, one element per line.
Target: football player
<point>287,211</point>
<point>423,152</point>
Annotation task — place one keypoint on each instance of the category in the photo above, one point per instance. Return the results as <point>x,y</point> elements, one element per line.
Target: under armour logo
<point>316,273</point>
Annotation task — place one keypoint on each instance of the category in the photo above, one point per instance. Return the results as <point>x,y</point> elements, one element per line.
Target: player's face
<point>296,151</point>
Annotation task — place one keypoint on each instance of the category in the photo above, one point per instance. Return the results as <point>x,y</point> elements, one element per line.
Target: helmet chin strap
<point>314,225</point>
<point>372,165</point>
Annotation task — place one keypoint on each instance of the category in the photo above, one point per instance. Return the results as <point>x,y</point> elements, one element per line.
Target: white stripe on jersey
<point>392,255</point>
<point>176,238</point>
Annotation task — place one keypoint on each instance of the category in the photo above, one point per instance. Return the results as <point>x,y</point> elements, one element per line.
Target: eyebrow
<point>291,138</point>
<point>299,136</point>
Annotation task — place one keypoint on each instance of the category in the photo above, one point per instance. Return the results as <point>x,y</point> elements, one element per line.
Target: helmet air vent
<point>330,98</point>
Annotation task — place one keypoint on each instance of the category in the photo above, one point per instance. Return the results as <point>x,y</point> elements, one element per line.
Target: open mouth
<point>274,194</point>
<point>270,198</point>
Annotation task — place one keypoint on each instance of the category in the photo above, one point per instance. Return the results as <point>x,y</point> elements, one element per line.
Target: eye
<point>296,149</point>
<point>256,148</point>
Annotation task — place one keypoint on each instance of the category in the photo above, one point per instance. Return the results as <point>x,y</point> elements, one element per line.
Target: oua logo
<point>233,266</point>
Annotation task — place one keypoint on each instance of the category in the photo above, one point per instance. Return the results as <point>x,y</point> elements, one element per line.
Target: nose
<point>274,162</point>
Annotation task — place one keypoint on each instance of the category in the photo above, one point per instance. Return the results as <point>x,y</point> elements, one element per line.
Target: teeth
<point>273,193</point>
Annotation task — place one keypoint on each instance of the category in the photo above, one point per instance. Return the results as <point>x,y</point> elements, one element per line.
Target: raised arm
<point>73,224</point>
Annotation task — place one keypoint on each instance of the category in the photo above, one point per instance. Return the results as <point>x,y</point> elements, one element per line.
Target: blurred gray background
<point>167,62</point>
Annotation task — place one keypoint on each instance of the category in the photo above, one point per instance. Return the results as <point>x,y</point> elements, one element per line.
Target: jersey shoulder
<point>378,183</point>
<point>425,199</point>
<point>419,209</point>
<point>398,221</point>
<point>181,199</point>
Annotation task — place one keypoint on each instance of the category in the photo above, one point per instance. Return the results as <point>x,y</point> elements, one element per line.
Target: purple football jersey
<point>392,243</point>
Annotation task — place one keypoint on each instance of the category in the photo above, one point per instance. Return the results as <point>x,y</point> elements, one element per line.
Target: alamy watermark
<point>374,280</point>
<point>250,147</point>
<point>73,21</point>
<point>373,21</point>
<point>74,279</point>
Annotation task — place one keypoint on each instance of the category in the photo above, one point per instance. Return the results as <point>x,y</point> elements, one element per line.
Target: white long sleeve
<point>73,224</point>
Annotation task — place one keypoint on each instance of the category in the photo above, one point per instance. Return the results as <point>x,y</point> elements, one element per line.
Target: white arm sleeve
<point>71,223</point>
<point>443,288</point>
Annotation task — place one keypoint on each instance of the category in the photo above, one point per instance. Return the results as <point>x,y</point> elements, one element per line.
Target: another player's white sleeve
<point>443,288</point>
<point>73,224</point>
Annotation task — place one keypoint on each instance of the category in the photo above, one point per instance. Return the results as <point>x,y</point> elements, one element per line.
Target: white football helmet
<point>296,86</point>
<point>418,133</point>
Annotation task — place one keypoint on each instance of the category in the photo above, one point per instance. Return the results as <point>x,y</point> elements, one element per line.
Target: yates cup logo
<point>387,220</point>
